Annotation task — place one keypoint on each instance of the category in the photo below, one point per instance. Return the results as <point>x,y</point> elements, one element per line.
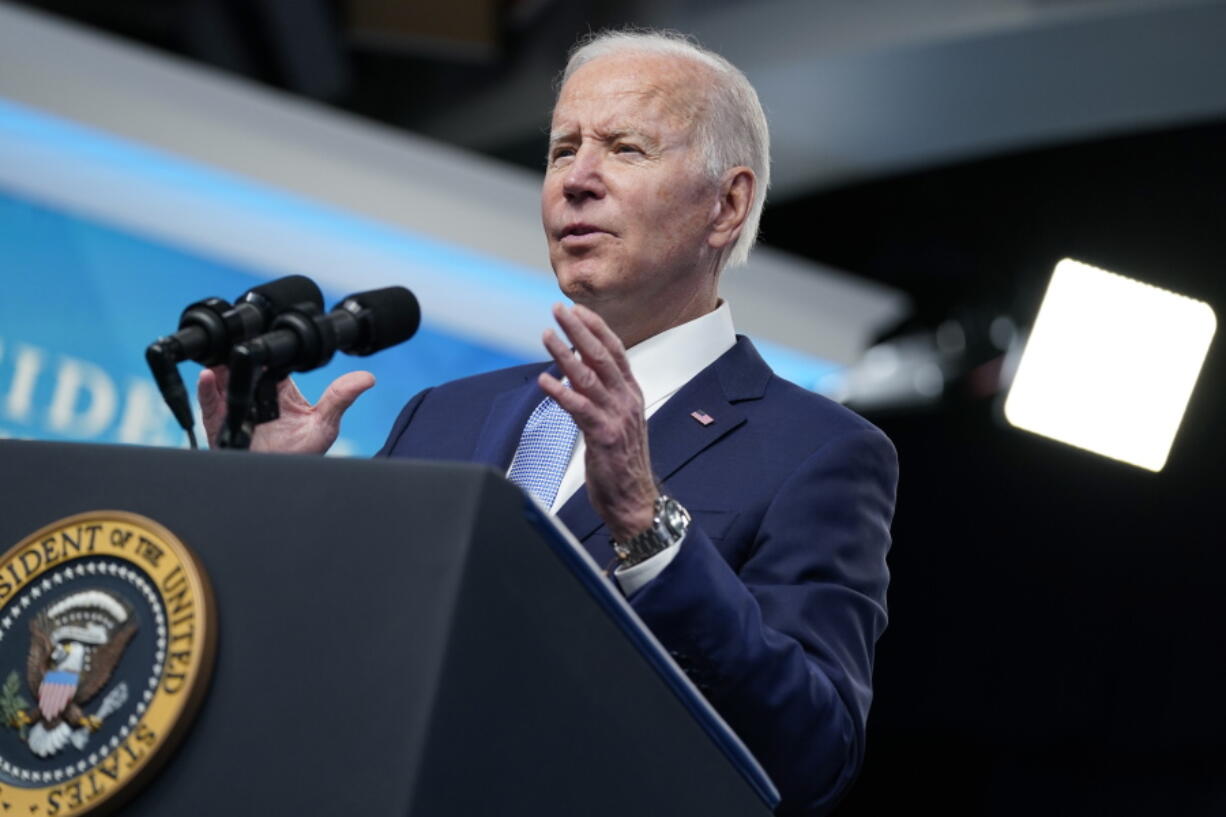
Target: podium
<point>399,638</point>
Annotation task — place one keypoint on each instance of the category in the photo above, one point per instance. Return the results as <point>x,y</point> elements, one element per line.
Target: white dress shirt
<point>662,365</point>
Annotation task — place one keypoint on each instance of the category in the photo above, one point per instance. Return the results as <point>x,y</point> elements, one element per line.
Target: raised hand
<point>607,405</point>
<point>301,428</point>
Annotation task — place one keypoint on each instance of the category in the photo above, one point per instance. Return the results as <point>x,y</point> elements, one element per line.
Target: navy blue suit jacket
<point>777,596</point>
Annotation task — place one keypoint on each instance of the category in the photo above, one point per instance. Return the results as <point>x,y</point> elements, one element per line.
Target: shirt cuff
<point>636,577</point>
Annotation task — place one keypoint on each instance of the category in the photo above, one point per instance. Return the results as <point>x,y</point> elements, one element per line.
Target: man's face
<point>626,202</point>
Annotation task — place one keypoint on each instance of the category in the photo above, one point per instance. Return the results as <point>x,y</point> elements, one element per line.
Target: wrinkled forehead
<point>649,88</point>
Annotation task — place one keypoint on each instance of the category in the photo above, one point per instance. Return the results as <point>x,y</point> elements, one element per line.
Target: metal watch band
<point>668,525</point>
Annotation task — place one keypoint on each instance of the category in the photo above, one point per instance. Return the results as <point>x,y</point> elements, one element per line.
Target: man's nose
<point>584,178</point>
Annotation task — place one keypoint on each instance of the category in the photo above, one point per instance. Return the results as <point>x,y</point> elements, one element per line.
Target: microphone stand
<point>251,398</point>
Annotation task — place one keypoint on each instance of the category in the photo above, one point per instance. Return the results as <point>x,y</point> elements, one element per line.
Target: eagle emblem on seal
<point>75,645</point>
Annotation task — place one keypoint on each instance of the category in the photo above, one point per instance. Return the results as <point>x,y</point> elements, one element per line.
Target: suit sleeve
<point>783,647</point>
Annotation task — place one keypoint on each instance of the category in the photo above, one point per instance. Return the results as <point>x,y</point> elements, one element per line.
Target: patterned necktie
<point>544,451</point>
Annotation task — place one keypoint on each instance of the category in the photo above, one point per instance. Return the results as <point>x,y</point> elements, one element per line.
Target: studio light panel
<point>1110,364</point>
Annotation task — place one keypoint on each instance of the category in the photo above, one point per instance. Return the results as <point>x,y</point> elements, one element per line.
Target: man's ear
<point>735,196</point>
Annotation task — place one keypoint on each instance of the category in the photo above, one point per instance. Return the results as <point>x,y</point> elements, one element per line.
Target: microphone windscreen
<point>283,293</point>
<point>389,316</point>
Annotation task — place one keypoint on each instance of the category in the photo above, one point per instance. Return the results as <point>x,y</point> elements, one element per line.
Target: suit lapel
<point>677,436</point>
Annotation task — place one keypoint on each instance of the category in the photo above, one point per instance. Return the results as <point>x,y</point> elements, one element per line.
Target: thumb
<point>339,396</point>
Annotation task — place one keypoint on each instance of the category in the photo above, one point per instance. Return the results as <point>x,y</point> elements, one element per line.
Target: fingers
<point>578,405</point>
<point>605,335</point>
<point>210,391</point>
<point>221,376</point>
<point>339,396</point>
<point>582,377</point>
<point>600,349</point>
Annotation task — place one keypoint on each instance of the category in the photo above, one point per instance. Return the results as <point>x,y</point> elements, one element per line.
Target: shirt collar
<point>664,363</point>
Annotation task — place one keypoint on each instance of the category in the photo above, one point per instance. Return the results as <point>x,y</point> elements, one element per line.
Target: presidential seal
<point>107,637</point>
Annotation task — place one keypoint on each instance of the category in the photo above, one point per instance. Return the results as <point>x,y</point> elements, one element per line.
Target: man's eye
<point>625,148</point>
<point>561,153</point>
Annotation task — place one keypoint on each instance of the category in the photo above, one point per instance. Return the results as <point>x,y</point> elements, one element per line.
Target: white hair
<point>732,131</point>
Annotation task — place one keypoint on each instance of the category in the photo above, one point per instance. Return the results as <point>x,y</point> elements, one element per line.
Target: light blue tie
<point>544,451</point>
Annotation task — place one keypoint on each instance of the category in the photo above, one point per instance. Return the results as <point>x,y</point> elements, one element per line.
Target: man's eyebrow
<point>606,136</point>
<point>629,133</point>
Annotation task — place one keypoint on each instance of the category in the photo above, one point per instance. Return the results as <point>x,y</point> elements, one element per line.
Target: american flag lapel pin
<point>702,417</point>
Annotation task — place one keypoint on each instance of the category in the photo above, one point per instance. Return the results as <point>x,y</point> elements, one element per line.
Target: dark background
<point>1055,644</point>
<point>1056,638</point>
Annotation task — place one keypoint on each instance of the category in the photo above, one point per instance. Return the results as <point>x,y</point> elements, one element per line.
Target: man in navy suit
<point>747,519</point>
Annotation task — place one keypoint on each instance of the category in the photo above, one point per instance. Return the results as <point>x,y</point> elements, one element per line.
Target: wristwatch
<point>668,526</point>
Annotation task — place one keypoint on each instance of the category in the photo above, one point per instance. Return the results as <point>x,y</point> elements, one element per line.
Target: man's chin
<point>582,282</point>
<point>581,292</point>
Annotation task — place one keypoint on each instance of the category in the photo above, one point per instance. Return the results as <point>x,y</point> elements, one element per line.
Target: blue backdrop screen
<point>82,300</point>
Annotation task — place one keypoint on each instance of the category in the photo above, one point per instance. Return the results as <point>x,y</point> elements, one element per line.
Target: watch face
<point>676,517</point>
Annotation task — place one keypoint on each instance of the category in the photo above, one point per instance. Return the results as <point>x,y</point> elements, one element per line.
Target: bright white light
<point>1110,364</point>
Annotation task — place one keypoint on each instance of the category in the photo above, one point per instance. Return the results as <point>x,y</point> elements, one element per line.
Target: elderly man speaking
<point>748,518</point>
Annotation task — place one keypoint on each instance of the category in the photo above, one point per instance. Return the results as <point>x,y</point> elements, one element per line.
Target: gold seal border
<point>199,677</point>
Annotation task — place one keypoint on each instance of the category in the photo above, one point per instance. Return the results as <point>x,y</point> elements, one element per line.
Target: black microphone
<point>209,329</point>
<point>301,340</point>
<point>361,324</point>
